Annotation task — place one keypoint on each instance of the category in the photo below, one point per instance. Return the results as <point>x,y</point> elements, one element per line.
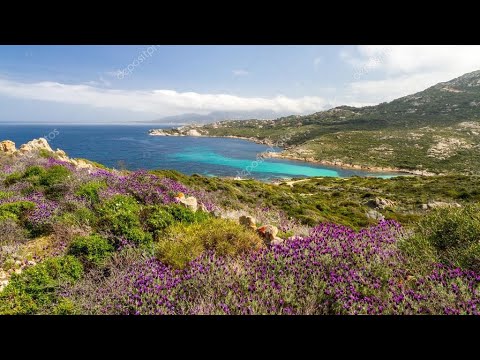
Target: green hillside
<point>435,130</point>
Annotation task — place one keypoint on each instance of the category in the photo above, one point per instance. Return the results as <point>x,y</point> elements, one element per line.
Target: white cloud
<point>158,102</point>
<point>101,82</point>
<point>240,72</point>
<point>400,70</point>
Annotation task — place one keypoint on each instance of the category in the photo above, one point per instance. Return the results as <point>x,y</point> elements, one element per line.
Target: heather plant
<point>183,243</point>
<point>92,250</point>
<point>36,287</point>
<point>335,270</point>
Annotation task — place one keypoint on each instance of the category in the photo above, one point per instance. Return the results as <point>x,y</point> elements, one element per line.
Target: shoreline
<point>282,155</point>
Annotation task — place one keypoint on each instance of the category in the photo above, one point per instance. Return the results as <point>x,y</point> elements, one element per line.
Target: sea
<point>131,147</point>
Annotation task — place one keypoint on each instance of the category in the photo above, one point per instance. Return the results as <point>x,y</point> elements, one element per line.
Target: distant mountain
<point>435,130</point>
<point>192,118</point>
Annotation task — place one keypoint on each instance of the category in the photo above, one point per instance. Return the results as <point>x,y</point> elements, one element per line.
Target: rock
<point>193,132</point>
<point>31,263</point>
<point>277,241</point>
<point>62,155</point>
<point>18,263</point>
<point>248,221</point>
<point>3,275</point>
<point>380,203</point>
<point>268,232</point>
<point>375,215</point>
<point>441,204</point>
<point>180,195</point>
<point>35,145</point>
<point>81,164</point>
<point>189,202</point>
<point>18,271</point>
<point>424,207</point>
<point>8,147</point>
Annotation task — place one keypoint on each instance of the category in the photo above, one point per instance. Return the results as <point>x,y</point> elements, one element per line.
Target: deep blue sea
<point>131,147</point>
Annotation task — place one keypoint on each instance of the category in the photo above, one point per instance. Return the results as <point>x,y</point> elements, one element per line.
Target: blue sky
<point>122,84</point>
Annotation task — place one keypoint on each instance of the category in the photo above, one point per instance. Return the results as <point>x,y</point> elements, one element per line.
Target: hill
<point>435,130</point>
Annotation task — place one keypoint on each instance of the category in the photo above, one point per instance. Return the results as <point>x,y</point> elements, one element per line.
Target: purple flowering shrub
<point>333,271</point>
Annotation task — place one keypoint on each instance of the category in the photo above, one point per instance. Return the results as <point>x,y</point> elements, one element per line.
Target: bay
<point>132,148</point>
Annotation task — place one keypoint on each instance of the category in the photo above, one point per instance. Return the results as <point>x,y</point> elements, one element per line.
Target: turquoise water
<point>204,155</point>
<point>131,147</point>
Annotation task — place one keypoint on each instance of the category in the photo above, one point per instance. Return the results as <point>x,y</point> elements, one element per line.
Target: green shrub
<point>16,302</point>
<point>65,306</point>
<point>182,214</point>
<point>13,178</point>
<point>5,194</point>
<point>55,175</point>
<point>121,216</point>
<point>79,217</point>
<point>185,242</point>
<point>91,249</point>
<point>35,288</point>
<point>90,190</point>
<point>158,219</point>
<point>15,210</point>
<point>453,235</point>
<point>33,171</point>
<point>44,153</point>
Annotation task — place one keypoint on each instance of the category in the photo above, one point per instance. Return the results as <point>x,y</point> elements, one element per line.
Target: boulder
<point>248,221</point>
<point>189,202</point>
<point>268,233</point>
<point>277,241</point>
<point>375,215</point>
<point>62,155</point>
<point>35,145</point>
<point>441,204</point>
<point>8,147</point>
<point>380,203</point>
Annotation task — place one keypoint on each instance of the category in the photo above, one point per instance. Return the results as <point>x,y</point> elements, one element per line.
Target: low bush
<point>91,249</point>
<point>185,242</point>
<point>450,235</point>
<point>36,287</point>
<point>121,216</point>
<point>15,210</point>
<point>90,191</point>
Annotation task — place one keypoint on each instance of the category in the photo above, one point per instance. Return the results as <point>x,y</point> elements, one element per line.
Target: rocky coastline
<point>197,131</point>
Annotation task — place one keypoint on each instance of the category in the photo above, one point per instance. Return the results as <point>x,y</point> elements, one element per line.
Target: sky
<point>130,84</point>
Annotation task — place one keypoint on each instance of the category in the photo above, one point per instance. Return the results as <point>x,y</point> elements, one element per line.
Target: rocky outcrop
<point>380,203</point>
<point>374,215</point>
<point>35,145</point>
<point>8,147</point>
<point>268,233</point>
<point>248,221</point>
<point>440,204</point>
<point>32,148</point>
<point>189,202</point>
